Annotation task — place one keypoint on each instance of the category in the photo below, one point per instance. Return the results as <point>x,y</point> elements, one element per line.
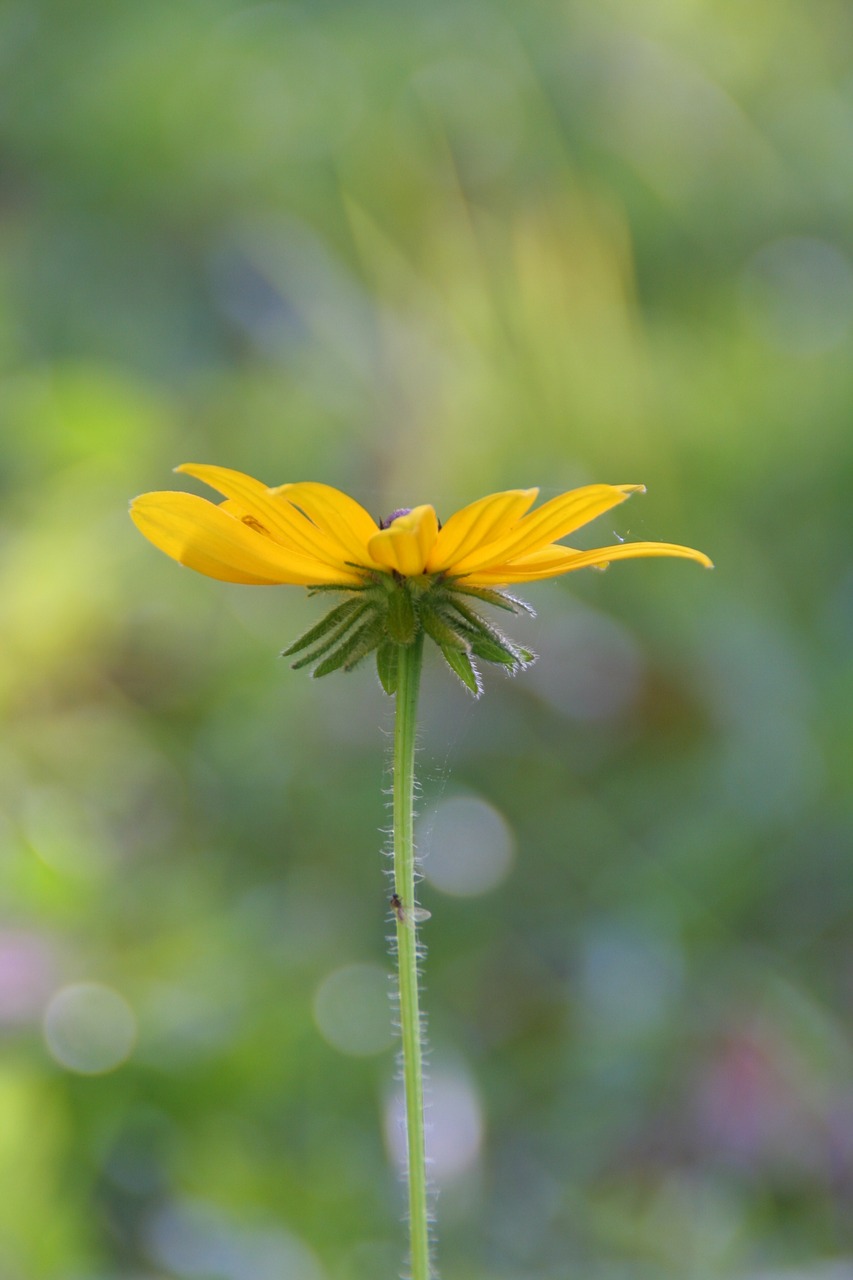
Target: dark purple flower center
<point>395,515</point>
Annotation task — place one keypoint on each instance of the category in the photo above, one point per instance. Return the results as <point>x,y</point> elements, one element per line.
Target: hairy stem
<point>408,683</point>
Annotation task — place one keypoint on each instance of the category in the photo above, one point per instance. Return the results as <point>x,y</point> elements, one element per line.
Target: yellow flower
<point>401,577</point>
<point>313,535</point>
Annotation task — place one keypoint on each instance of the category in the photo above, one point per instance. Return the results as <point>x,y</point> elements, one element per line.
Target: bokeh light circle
<point>196,1239</point>
<point>466,846</point>
<point>353,1012</point>
<point>89,1028</point>
<point>454,1125</point>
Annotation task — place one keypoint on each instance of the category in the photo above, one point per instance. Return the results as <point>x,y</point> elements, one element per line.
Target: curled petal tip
<point>699,557</point>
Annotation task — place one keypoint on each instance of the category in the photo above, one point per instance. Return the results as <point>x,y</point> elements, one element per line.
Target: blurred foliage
<point>424,252</point>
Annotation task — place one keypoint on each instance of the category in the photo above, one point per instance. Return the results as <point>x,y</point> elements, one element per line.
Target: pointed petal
<point>553,561</point>
<point>405,546</point>
<point>338,515</point>
<point>480,523</point>
<point>199,534</point>
<point>280,519</point>
<point>554,520</point>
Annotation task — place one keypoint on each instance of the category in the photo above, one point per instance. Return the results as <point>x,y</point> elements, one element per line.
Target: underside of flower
<point>389,611</point>
<point>401,579</point>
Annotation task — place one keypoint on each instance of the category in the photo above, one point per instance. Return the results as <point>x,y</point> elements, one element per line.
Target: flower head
<point>400,577</point>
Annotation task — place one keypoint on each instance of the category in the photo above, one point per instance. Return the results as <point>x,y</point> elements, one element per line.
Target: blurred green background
<point>422,253</point>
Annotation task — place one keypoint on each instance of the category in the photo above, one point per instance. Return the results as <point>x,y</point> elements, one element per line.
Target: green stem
<point>408,684</point>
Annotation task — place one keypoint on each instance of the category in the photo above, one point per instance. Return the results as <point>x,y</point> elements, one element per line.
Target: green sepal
<point>490,649</point>
<point>486,641</point>
<point>514,659</point>
<point>350,650</point>
<point>472,619</point>
<point>326,624</point>
<point>439,629</point>
<point>500,599</point>
<point>333,663</point>
<point>387,666</point>
<point>402,624</point>
<point>321,587</point>
<point>334,638</point>
<point>463,667</point>
<point>372,635</point>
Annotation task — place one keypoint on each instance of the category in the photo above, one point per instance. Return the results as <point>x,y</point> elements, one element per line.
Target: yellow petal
<point>282,521</point>
<point>550,522</point>
<point>550,562</point>
<point>338,515</point>
<point>406,544</point>
<point>202,536</point>
<point>480,523</point>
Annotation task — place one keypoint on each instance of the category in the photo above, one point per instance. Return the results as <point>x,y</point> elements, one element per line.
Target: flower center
<point>395,515</point>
